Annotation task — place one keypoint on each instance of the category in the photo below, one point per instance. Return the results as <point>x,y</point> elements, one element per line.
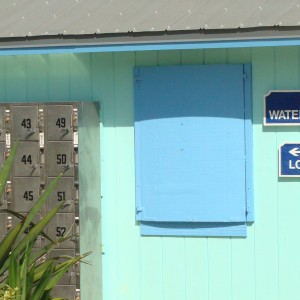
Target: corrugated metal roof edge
<point>162,40</point>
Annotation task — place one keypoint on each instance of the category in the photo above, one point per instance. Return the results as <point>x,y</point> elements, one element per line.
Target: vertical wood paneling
<point>37,77</point>
<point>3,79</point>
<point>265,179</point>
<point>59,77</point>
<point>215,56</point>
<point>242,286</point>
<point>288,243</point>
<point>108,176</point>
<point>195,249</point>
<point>219,250</point>
<point>128,233</point>
<point>90,191</point>
<point>80,77</point>
<point>239,55</point>
<point>287,77</point>
<point>196,269</point>
<point>191,57</point>
<point>169,57</point>
<point>90,198</point>
<point>146,58</point>
<point>262,266</point>
<point>95,75</point>
<point>174,269</point>
<point>243,272</point>
<point>173,254</point>
<point>151,258</point>
<point>220,272</point>
<point>123,66</point>
<point>16,80</point>
<point>151,268</point>
<point>286,69</point>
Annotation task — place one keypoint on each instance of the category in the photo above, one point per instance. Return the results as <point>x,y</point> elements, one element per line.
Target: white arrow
<point>295,151</point>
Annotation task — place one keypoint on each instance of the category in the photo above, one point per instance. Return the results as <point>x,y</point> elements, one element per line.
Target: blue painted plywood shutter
<point>190,146</point>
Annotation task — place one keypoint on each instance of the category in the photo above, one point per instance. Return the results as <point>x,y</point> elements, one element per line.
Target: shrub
<point>26,276</point>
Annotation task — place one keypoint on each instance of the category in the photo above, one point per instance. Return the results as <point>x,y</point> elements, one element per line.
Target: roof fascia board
<point>146,47</point>
<point>146,42</point>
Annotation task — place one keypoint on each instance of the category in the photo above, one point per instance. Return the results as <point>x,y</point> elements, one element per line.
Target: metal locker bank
<point>46,147</point>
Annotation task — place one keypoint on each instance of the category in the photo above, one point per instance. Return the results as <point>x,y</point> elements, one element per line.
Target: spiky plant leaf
<point>6,246</point>
<point>36,230</point>
<point>22,219</point>
<point>41,286</point>
<point>13,277</point>
<point>29,282</point>
<point>62,268</point>
<point>40,253</point>
<point>32,234</point>
<point>26,271</point>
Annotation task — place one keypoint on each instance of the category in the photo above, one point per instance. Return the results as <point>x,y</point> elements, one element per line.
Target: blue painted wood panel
<point>190,143</point>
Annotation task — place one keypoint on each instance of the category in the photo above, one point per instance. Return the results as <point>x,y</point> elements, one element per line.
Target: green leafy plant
<point>26,274</point>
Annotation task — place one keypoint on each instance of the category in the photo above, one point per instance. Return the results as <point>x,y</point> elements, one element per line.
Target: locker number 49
<point>61,122</point>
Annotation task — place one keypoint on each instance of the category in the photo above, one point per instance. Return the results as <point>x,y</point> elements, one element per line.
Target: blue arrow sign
<point>289,160</point>
<point>282,108</point>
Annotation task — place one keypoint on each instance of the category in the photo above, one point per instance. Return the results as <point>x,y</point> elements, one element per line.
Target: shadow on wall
<point>186,91</point>
<point>89,172</point>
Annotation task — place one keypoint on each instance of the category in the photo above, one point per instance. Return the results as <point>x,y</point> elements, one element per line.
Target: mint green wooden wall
<point>265,265</point>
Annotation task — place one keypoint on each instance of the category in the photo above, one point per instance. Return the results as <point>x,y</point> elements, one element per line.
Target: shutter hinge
<point>137,78</point>
<point>139,209</point>
<point>245,76</point>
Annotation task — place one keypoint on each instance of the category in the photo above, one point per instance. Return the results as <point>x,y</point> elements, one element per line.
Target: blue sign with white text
<point>282,108</point>
<point>289,160</point>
